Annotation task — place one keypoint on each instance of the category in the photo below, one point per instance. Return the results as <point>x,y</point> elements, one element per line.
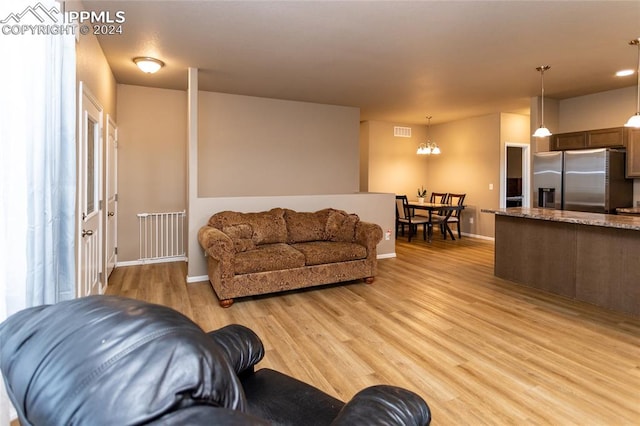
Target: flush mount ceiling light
<point>542,132</point>
<point>148,65</point>
<point>634,120</point>
<point>624,73</point>
<point>429,147</point>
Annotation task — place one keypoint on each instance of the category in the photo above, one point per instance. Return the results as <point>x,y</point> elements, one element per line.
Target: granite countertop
<point>628,210</point>
<point>581,218</point>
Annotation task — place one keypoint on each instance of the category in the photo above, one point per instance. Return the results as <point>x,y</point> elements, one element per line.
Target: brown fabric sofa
<point>257,253</point>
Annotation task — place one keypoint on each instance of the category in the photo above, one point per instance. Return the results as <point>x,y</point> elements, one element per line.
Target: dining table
<point>446,208</point>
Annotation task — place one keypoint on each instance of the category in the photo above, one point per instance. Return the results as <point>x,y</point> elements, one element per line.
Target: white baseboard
<point>197,278</point>
<point>149,261</point>
<point>480,237</point>
<point>386,255</point>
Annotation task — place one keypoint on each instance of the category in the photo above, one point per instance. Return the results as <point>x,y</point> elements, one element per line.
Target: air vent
<point>402,132</point>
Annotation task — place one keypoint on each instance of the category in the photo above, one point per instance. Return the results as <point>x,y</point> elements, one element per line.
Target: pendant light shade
<point>542,132</point>
<point>429,147</point>
<point>634,120</point>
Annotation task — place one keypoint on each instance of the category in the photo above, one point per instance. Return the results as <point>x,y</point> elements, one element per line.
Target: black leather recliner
<point>105,360</point>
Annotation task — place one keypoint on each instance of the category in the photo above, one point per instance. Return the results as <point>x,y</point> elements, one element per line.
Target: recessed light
<point>624,73</point>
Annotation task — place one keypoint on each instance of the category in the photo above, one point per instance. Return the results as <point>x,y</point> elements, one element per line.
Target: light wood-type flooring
<point>479,349</point>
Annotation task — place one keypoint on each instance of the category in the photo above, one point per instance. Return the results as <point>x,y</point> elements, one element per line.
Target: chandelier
<point>429,147</point>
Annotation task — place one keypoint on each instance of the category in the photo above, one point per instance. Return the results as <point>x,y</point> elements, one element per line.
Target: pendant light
<point>429,147</point>
<point>634,120</point>
<point>542,132</point>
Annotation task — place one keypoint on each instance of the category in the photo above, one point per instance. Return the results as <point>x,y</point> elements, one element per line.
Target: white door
<point>90,277</point>
<point>112,196</point>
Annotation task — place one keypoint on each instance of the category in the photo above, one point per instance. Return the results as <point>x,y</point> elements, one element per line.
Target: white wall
<point>597,111</point>
<point>392,164</point>
<point>249,146</point>
<point>151,158</point>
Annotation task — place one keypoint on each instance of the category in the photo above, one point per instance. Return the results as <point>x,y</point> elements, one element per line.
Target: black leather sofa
<point>105,360</point>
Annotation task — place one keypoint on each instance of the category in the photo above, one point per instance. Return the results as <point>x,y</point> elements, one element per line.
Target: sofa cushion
<point>283,400</point>
<point>241,236</point>
<point>341,226</point>
<point>306,226</point>
<point>320,252</point>
<point>268,227</point>
<point>268,257</point>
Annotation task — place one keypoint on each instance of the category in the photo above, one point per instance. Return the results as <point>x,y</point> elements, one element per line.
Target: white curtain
<point>37,168</point>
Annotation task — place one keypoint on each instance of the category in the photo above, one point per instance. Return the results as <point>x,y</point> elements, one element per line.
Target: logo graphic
<point>39,11</point>
<point>41,20</point>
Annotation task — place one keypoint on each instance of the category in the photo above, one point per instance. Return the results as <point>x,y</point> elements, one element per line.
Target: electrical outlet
<point>471,220</point>
<point>490,187</point>
<point>387,235</point>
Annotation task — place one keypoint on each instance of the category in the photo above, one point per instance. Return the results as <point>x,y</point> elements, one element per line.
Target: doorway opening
<point>514,176</point>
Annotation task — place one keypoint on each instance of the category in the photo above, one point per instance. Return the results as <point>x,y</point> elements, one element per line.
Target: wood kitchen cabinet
<point>633,153</point>
<point>607,138</point>
<point>564,141</point>
<point>615,137</point>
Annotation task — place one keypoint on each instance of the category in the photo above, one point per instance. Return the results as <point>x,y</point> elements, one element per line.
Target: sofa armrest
<point>369,235</point>
<point>214,239</point>
<point>384,405</point>
<point>242,347</point>
<point>219,247</point>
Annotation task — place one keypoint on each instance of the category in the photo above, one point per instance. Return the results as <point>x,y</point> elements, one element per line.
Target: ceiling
<point>397,61</point>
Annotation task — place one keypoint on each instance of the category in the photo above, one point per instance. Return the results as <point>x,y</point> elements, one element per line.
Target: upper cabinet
<point>607,138</point>
<point>633,153</point>
<point>602,138</point>
<point>564,141</point>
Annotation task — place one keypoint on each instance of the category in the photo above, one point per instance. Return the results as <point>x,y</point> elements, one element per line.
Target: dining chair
<point>456,199</point>
<point>404,217</point>
<point>439,218</point>
<point>439,197</point>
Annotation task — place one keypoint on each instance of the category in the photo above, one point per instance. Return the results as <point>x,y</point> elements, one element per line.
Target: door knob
<point>85,233</point>
<point>110,214</point>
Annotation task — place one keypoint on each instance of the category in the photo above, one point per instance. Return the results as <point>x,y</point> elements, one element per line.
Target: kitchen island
<point>590,257</point>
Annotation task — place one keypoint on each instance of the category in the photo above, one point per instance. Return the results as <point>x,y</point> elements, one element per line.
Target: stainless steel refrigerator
<point>547,179</point>
<point>594,181</point>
